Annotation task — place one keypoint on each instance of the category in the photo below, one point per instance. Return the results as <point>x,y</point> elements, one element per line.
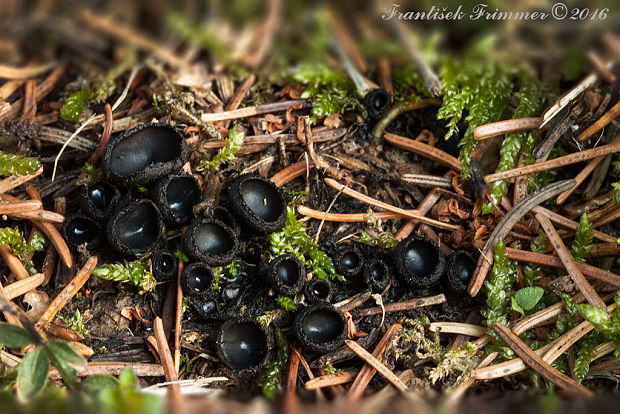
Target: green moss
<point>273,374</point>
<point>11,164</point>
<point>582,245</point>
<point>286,303</point>
<point>135,272</point>
<point>408,85</point>
<point>13,238</point>
<point>294,239</point>
<point>226,154</point>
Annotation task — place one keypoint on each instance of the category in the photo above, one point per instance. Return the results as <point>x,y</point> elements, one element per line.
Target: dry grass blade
<point>378,366</point>
<point>535,362</point>
<point>580,281</point>
<point>66,294</point>
<point>17,207</point>
<point>601,123</point>
<point>348,217</point>
<point>254,110</point>
<point>424,150</point>
<point>503,127</point>
<point>458,328</point>
<point>373,202</point>
<point>26,72</point>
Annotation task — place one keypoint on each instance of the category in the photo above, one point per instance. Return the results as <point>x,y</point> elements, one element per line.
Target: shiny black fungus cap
<point>197,279</point>
<point>165,265</point>
<point>320,328</point>
<point>211,241</point>
<point>79,229</point>
<point>286,274</point>
<point>418,262</point>
<point>144,154</point>
<point>175,196</point>
<point>459,270</point>
<point>99,199</point>
<point>244,346</point>
<point>348,260</point>
<point>257,204</point>
<point>377,102</point>
<point>376,275</point>
<point>317,290</point>
<point>136,228</point>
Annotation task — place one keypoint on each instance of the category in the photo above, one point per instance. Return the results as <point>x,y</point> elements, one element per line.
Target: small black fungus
<point>317,290</point>
<point>211,241</point>
<point>376,275</point>
<point>144,154</point>
<point>459,269</point>
<point>206,306</point>
<point>136,228</point>
<point>225,216</point>
<point>80,229</point>
<point>257,204</point>
<point>244,346</point>
<point>252,253</point>
<point>286,274</point>
<point>377,102</point>
<point>320,328</point>
<point>231,292</point>
<point>197,279</point>
<point>418,262</point>
<point>98,199</point>
<point>349,261</point>
<point>176,195</point>
<point>165,266</point>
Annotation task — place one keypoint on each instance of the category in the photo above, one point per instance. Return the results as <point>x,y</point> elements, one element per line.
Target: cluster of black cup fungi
<point>115,213</point>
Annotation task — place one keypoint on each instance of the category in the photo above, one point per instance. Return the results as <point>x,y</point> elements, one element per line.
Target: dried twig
<point>291,402</point>
<point>9,183</point>
<point>26,72</point>
<point>348,217</point>
<point>23,286</point>
<point>178,320</point>
<point>556,162</point>
<point>105,137</point>
<point>458,328</point>
<point>580,281</point>
<point>373,202</point>
<point>401,108</point>
<point>535,362</point>
<point>13,262</point>
<point>566,223</point>
<point>66,294</point>
<point>424,150</point>
<point>400,306</point>
<point>19,206</point>
<point>377,365</point>
<point>254,110</point>
<point>329,380</point>
<point>601,123</point>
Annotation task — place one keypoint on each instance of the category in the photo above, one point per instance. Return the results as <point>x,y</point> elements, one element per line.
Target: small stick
<point>66,294</point>
<point>373,202</point>
<point>13,262</point>
<point>601,123</point>
<point>239,95</point>
<point>348,217</point>
<point>604,249</point>
<point>603,71</point>
<point>291,402</point>
<point>615,215</point>
<point>51,257</point>
<point>458,328</point>
<point>115,368</point>
<point>62,332</point>
<point>26,72</point>
<point>14,181</point>
<point>535,362</point>
<point>400,306</point>
<point>16,207</point>
<point>166,358</point>
<point>580,281</point>
<point>503,127</point>
<point>400,108</point>
<point>353,302</point>
<point>254,110</point>
<point>427,180</point>
<point>9,88</point>
<point>552,261</point>
<point>505,225</point>
<point>556,162</point>
<point>337,378</point>
<point>564,222</point>
<point>424,150</point>
<point>385,75</point>
<point>583,174</point>
<point>381,369</point>
<point>425,206</point>
<point>366,373</point>
<point>178,320</point>
<point>344,353</point>
<point>105,137</point>
<point>30,101</point>
<point>23,286</point>
<point>345,39</point>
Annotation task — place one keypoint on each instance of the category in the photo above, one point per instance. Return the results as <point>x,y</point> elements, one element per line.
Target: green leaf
<point>32,374</point>
<point>67,355</point>
<point>13,336</point>
<point>98,382</point>
<point>127,379</point>
<point>528,297</point>
<point>516,307</point>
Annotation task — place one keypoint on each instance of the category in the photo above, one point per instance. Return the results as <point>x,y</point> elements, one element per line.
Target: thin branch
<point>348,217</point>
<point>458,328</point>
<point>254,110</point>
<point>399,109</point>
<point>424,150</point>
<point>503,127</point>
<point>570,224</point>
<point>400,306</point>
<point>329,380</point>
<point>377,365</point>
<point>9,183</point>
<point>23,286</point>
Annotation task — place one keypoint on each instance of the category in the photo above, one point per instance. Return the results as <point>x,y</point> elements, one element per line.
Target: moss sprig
<point>294,239</point>
<point>13,238</point>
<point>584,354</point>
<point>608,326</point>
<point>582,245</point>
<point>11,164</point>
<point>533,272</point>
<point>135,272</point>
<point>226,154</point>
<point>273,374</point>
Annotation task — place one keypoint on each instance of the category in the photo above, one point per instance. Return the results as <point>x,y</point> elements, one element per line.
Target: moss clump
<point>11,164</point>
<point>135,272</point>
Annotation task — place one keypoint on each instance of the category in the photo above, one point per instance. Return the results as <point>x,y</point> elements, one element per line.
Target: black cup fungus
<point>258,204</point>
<point>176,195</point>
<point>164,265</point>
<point>286,274</point>
<point>459,269</point>
<point>197,279</point>
<point>136,228</point>
<point>79,229</point>
<point>320,328</point>
<point>317,290</point>
<point>244,346</point>
<point>211,241</point>
<point>418,262</point>
<point>99,199</point>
